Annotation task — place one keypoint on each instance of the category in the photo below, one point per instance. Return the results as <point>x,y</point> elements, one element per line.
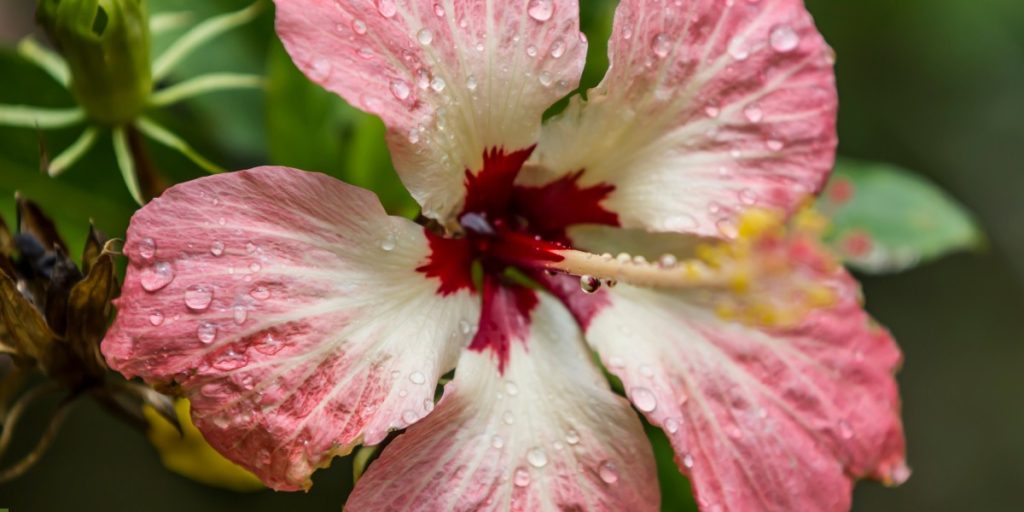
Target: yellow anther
<point>755,223</point>
<point>810,221</point>
<point>820,296</point>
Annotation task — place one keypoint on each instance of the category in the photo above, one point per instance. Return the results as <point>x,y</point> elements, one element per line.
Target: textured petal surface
<point>451,79</point>
<point>548,434</point>
<point>270,297</point>
<point>761,419</point>
<point>710,107</point>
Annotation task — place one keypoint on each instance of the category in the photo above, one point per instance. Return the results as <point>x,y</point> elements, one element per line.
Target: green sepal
<point>106,44</point>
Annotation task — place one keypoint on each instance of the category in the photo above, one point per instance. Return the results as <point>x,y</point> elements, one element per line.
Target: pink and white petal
<point>761,419</point>
<point>709,107</point>
<point>270,297</point>
<point>547,434</point>
<point>451,79</point>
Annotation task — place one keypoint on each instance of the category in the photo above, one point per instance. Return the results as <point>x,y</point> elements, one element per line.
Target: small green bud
<point>106,45</point>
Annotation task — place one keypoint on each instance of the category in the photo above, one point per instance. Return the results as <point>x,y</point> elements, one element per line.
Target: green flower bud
<point>106,45</point>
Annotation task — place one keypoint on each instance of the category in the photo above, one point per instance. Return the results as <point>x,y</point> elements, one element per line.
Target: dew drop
<point>156,318</point>
<point>616,362</point>
<point>255,267</point>
<point>240,314</point>
<point>417,378</point>
<point>321,68</point>
<point>572,437</point>
<point>747,196</point>
<point>388,243</point>
<point>608,473</point>
<point>497,442</point>
<point>521,477</point>
<point>386,8</point>
<point>753,113</point>
<point>540,10</point>
<point>668,261</point>
<point>425,37</point>
<point>359,27</point>
<point>557,48</point>
<point>198,297</point>
<point>157,277</point>
<point>409,416</point>
<point>589,284</point>
<point>845,431</point>
<point>784,39</point>
<point>508,417</point>
<point>400,89</point>
<point>464,327</point>
<point>738,51</point>
<point>471,83</point>
<point>531,50</point>
<point>537,458</point>
<point>250,248</point>
<point>217,248</point>
<point>206,332</point>
<point>438,10</point>
<point>428,404</point>
<point>688,460</point>
<point>437,84</point>
<point>775,145</point>
<point>672,425</point>
<point>147,248</point>
<point>661,45</point>
<point>712,111</point>
<point>511,388</point>
<point>545,79</point>
<point>643,399</point>
<point>260,293</point>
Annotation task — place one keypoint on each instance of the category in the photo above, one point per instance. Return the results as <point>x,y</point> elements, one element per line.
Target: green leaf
<point>315,130</point>
<point>887,219</point>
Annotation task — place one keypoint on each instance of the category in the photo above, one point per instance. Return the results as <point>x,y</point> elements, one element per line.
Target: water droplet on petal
<point>437,84</point>
<point>688,460</point>
<point>643,399</point>
<point>672,425</point>
<point>668,261</point>
<point>147,248</point>
<point>206,332</point>
<point>511,388</point>
<point>784,39</point>
<point>157,277</point>
<point>240,314</point>
<point>156,318</point>
<point>425,37</point>
<point>497,442</point>
<point>540,10</point>
<point>661,45</point>
<point>409,416</point>
<point>428,404</point>
<point>521,478</point>
<point>589,284</point>
<point>417,378</point>
<point>712,111</point>
<point>845,431</point>
<point>255,267</point>
<point>531,50</point>
<point>545,79</point>
<point>572,437</point>
<point>557,48</point>
<point>471,83</point>
<point>359,27</point>
<point>775,145</point>
<point>438,10</point>
<point>508,417</point>
<point>400,89</point>
<point>386,8</point>
<point>536,457</point>
<point>608,472</point>
<point>753,113</point>
<point>217,248</point>
<point>260,293</point>
<point>388,243</point>
<point>738,51</point>
<point>198,297</point>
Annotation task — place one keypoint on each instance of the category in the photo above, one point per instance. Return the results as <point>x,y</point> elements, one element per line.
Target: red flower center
<point>507,225</point>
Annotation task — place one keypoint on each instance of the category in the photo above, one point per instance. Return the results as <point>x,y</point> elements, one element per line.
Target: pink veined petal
<point>271,298</point>
<point>548,434</point>
<point>710,107</point>
<point>761,419</point>
<point>451,79</point>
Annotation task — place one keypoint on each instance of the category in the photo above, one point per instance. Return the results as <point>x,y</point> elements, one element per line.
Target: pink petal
<point>271,297</point>
<point>710,107</point>
<point>451,80</point>
<point>761,419</point>
<point>547,434</point>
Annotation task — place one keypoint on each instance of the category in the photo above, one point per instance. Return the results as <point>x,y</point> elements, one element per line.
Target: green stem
<point>202,85</point>
<point>201,34</point>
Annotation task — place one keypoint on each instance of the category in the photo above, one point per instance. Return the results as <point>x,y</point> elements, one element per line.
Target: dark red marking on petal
<point>505,317</point>
<point>489,190</point>
<point>451,261</point>
<point>550,209</point>
<point>583,306</point>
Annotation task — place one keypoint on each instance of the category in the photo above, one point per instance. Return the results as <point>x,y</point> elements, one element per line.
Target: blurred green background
<point>937,87</point>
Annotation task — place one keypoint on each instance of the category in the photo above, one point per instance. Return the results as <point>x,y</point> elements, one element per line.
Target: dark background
<point>934,86</point>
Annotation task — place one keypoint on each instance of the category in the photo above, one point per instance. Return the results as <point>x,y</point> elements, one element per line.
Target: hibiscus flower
<point>301,320</point>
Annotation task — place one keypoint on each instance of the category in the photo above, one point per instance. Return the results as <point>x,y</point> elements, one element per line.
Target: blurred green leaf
<point>887,219</point>
<point>312,129</point>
